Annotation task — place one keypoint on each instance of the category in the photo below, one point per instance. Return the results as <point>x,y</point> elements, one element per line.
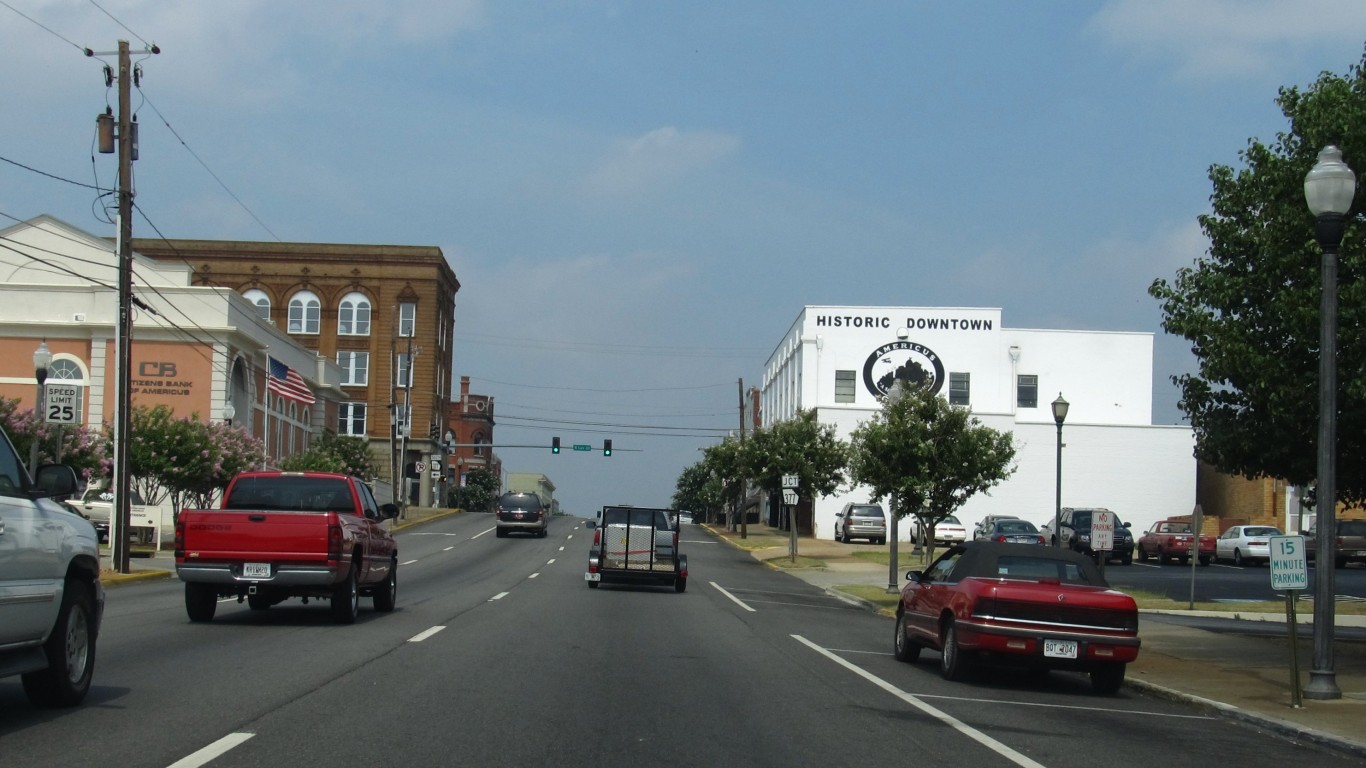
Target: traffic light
<point>606,447</point>
<point>554,445</point>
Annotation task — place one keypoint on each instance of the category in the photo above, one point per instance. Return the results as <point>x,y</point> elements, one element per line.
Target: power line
<point>146,44</point>
<point>587,389</point>
<point>608,424</point>
<point>53,175</point>
<point>82,49</point>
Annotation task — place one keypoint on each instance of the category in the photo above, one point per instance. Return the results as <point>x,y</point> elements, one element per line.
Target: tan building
<point>384,314</point>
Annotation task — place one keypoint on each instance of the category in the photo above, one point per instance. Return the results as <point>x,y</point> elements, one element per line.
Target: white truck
<point>147,523</point>
<point>51,600</point>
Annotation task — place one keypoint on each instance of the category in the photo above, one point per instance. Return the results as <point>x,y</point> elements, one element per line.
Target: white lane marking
<point>570,536</point>
<point>214,750</point>
<point>551,560</point>
<point>691,541</point>
<point>426,633</point>
<point>431,533</point>
<point>534,575</point>
<point>561,549</point>
<point>481,533</point>
<point>448,549</point>
<point>498,596</point>
<point>407,562</point>
<point>944,717</point>
<point>737,600</point>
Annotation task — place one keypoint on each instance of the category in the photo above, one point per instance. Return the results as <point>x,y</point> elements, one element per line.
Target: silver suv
<point>861,521</point>
<point>51,601</point>
<point>521,512</point>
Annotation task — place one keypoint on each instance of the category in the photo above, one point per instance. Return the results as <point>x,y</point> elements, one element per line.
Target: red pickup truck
<point>279,535</point>
<point>1168,539</point>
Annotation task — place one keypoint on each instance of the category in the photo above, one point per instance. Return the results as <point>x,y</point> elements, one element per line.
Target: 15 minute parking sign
<point>1289,567</point>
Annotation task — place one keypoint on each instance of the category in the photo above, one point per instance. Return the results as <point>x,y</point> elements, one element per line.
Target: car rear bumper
<point>1027,644</point>
<point>280,575</point>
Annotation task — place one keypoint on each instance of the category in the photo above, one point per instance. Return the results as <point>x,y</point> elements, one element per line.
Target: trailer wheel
<point>680,584</point>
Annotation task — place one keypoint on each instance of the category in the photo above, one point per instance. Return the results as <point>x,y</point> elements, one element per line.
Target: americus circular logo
<point>905,361</point>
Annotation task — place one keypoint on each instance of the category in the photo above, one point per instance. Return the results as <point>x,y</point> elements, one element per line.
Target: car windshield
<point>525,503</point>
<point>950,520</point>
<point>1016,526</point>
<point>1038,568</point>
<point>106,495</point>
<point>290,492</point>
<point>1352,528</point>
<point>1261,532</point>
<point>867,512</point>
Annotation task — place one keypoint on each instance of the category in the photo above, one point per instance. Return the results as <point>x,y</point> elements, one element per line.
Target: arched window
<point>353,315</point>
<point>68,370</point>
<point>261,300</point>
<point>305,313</point>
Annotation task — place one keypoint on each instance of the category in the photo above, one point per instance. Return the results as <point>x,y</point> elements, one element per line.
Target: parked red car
<point>1043,608</point>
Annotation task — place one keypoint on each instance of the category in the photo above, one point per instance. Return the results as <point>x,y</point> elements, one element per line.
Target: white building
<point>840,360</point>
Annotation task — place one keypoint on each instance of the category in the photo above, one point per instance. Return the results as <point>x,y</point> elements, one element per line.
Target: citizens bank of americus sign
<point>902,361</point>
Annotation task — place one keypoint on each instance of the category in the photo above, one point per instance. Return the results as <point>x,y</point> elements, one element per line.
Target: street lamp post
<point>229,411</point>
<point>42,358</point>
<point>1328,189</point>
<point>1059,416</point>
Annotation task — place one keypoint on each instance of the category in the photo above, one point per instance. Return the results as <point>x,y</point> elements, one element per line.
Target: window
<point>353,315</point>
<point>352,419</point>
<point>960,388</point>
<point>844,386</point>
<point>305,313</point>
<point>1027,391</point>
<point>261,300</point>
<point>407,319</point>
<point>403,375</point>
<point>478,443</point>
<point>355,368</point>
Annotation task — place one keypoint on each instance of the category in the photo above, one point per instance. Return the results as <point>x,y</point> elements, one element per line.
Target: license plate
<point>1060,649</point>
<point>592,577</point>
<point>256,570</point>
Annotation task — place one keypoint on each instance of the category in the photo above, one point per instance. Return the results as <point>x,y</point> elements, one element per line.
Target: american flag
<point>286,382</point>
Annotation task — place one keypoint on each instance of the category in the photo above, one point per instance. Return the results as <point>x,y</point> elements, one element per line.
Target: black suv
<point>521,512</point>
<point>1075,525</point>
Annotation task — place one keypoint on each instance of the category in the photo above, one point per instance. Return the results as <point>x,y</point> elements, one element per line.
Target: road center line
<point>737,600</point>
<point>211,752</point>
<point>944,717</point>
<point>448,549</point>
<point>426,633</point>
<point>534,575</point>
<point>407,562</point>
<point>498,596</point>
<point>481,533</point>
<point>551,560</point>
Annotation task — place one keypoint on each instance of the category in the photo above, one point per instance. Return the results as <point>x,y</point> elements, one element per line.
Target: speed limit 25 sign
<point>62,403</point>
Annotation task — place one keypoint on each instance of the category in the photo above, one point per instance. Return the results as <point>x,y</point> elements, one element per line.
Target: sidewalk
<point>1239,675</point>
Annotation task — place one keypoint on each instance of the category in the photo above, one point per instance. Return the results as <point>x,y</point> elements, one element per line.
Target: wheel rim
<point>355,594</point>
<point>950,652</point>
<point>900,634</point>
<point>393,585</point>
<point>77,644</point>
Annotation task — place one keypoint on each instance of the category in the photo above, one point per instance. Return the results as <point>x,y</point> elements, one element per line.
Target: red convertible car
<point>1042,608</point>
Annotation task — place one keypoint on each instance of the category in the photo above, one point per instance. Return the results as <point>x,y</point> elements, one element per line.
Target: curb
<point>119,579</point>
<point>1289,730</point>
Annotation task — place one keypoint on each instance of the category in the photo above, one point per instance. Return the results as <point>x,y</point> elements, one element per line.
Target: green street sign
<point>582,447</point>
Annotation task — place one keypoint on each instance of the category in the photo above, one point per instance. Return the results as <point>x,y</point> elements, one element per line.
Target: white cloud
<point>1222,39</point>
<point>657,159</point>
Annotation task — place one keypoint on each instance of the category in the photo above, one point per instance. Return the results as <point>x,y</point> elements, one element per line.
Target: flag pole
<point>265,437</point>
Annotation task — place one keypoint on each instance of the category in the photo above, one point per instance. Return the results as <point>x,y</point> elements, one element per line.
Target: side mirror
<point>388,511</point>
<point>55,480</point>
<point>915,577</point>
<point>591,524</point>
<point>1126,525</point>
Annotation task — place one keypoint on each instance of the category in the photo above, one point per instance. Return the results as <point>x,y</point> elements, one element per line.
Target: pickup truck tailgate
<point>273,535</point>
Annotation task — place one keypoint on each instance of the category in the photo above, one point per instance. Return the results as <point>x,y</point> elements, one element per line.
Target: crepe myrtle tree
<point>800,446</point>
<point>1250,305</point>
<point>700,491</point>
<point>927,456</point>
<point>478,493</point>
<point>82,448</point>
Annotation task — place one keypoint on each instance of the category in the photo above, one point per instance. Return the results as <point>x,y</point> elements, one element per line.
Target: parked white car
<point>1245,543</point>
<point>946,531</point>
<point>51,600</point>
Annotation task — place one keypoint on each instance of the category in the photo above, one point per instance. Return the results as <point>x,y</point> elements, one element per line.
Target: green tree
<point>479,492</point>
<point>82,448</point>
<point>1250,305</point>
<point>928,457</point>
<point>699,491</point>
<point>331,452</point>
<point>800,446</point>
<point>724,464</point>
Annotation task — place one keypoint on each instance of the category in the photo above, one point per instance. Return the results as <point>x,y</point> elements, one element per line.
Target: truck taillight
<point>597,537</point>
<point>334,542</point>
<point>179,539</point>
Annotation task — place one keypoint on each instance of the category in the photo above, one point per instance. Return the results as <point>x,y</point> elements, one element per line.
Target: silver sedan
<point>1245,543</point>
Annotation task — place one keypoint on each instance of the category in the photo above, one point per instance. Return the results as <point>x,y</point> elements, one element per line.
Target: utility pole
<point>124,397</point>
<point>396,464</point>
<point>744,490</point>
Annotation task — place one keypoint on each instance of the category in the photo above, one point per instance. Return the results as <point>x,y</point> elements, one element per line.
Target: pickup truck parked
<point>279,535</point>
<point>1168,539</point>
<point>636,545</point>
<point>51,601</point>
<point>145,520</point>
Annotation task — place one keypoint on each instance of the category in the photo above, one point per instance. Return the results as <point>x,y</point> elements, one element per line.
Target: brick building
<point>383,313</point>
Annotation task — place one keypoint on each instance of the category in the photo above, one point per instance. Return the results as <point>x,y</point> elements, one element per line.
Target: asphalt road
<point>499,654</point>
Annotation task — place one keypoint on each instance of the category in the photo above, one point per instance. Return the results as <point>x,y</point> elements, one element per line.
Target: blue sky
<point>639,197</point>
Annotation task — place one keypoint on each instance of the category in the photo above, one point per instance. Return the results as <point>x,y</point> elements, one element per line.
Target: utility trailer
<point>636,545</point>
